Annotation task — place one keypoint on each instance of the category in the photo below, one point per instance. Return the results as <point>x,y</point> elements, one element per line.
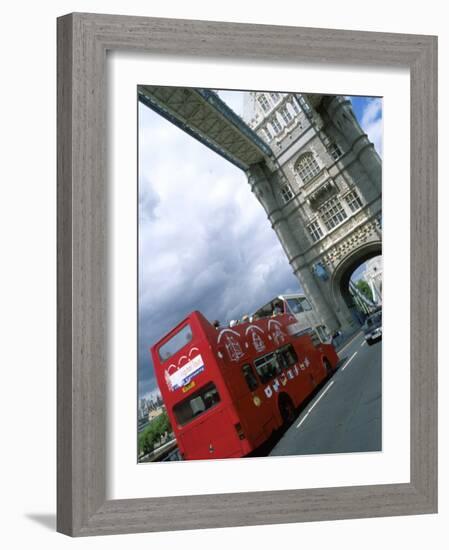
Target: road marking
<point>350,342</point>
<point>303,418</point>
<point>349,360</point>
<point>316,403</point>
<point>363,343</point>
<point>327,388</point>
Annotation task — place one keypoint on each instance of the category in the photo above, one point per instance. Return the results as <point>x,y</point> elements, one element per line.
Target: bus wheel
<point>287,409</point>
<point>328,367</point>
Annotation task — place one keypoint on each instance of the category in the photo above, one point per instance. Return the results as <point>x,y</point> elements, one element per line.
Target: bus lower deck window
<point>196,404</point>
<point>267,367</point>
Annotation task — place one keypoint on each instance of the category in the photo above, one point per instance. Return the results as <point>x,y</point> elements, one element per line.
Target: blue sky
<point>204,240</point>
<point>368,111</point>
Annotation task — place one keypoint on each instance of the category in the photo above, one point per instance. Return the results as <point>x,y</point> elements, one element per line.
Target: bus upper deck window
<point>265,311</point>
<point>295,305</point>
<point>305,304</point>
<point>176,342</point>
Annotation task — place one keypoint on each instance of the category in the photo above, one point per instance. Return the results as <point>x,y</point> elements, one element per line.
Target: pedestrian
<point>335,337</point>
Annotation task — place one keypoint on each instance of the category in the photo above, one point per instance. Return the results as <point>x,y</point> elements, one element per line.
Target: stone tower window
<point>307,167</point>
<point>315,231</point>
<point>335,151</point>
<point>287,193</point>
<point>263,102</point>
<point>332,213</point>
<point>354,201</point>
<point>304,104</point>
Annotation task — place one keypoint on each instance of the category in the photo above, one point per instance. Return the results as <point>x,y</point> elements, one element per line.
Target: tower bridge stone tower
<point>321,190</point>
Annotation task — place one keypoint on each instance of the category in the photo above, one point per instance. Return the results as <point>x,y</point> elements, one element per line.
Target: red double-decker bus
<point>226,390</point>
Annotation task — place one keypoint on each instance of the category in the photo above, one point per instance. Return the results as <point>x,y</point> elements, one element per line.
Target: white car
<point>372,328</point>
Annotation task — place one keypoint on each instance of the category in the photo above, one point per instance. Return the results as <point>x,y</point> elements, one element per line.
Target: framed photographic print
<point>246,274</point>
<point>275,347</point>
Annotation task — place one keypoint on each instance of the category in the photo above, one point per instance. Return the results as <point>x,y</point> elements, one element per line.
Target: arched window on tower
<point>295,106</point>
<point>285,114</point>
<point>275,124</point>
<point>267,134</point>
<point>307,167</point>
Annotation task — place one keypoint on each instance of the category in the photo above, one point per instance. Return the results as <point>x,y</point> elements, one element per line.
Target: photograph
<point>259,273</point>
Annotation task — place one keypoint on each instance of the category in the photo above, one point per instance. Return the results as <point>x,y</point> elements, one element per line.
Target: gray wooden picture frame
<point>83,40</point>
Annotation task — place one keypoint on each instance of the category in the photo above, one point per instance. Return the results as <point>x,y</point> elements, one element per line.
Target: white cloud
<point>204,240</point>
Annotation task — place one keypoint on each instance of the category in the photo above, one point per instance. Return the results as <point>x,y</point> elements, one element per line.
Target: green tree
<point>153,433</point>
<point>146,444</point>
<point>364,288</point>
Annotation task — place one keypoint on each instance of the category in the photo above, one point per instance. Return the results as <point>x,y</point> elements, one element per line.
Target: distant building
<point>373,276</point>
<point>143,409</point>
<point>154,413</point>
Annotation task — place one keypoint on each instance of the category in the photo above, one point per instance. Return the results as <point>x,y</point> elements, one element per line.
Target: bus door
<point>311,359</point>
<point>255,412</point>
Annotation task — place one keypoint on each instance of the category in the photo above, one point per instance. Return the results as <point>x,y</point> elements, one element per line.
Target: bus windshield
<point>176,342</point>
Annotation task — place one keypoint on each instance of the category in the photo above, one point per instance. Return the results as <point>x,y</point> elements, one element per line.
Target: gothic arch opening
<point>350,306</point>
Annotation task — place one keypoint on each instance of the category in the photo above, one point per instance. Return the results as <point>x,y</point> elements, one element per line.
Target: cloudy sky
<point>204,240</point>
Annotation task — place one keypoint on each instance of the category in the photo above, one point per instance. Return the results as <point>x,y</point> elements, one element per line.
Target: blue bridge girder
<point>202,114</point>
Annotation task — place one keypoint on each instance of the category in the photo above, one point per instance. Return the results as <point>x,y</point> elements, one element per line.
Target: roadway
<point>345,416</point>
